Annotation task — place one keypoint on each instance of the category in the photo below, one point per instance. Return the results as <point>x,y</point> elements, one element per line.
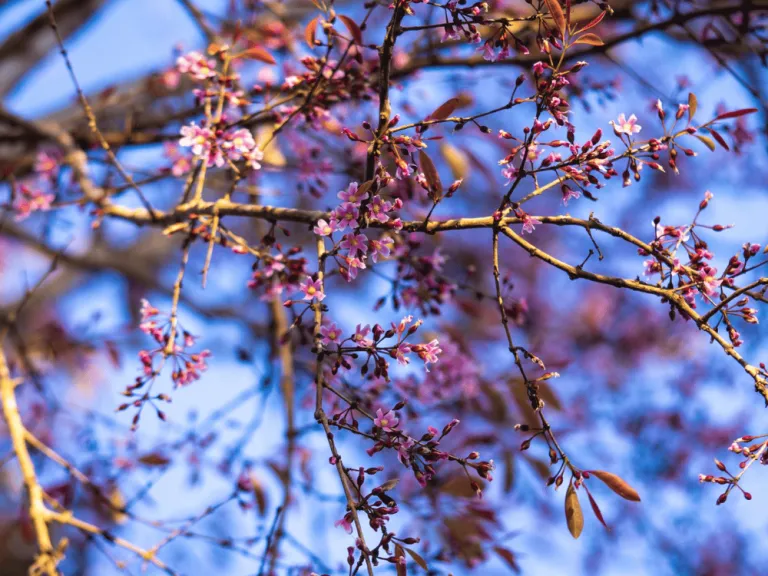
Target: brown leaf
<point>591,39</point>
<point>573,514</point>
<point>402,570</point>
<point>155,459</point>
<point>259,494</point>
<point>260,54</point>
<point>557,15</point>
<point>430,173</point>
<point>693,104</point>
<point>616,484</point>
<point>509,558</point>
<point>509,471</point>
<point>445,109</point>
<point>418,559</point>
<point>458,485</point>
<point>354,29</point>
<point>310,32</point>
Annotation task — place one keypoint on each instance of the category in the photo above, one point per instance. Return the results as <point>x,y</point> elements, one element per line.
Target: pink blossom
<point>312,289</point>
<point>381,247</point>
<point>355,243</point>
<point>353,194</point>
<point>238,143</point>
<point>197,66</point>
<point>489,52</point>
<point>196,137</point>
<point>378,208</point>
<point>569,193</point>
<point>324,228</point>
<point>401,353</point>
<point>344,523</point>
<point>626,125</point>
<point>29,201</point>
<point>539,67</point>
<point>361,336</point>
<point>529,223</point>
<point>353,265</point>
<point>346,215</point>
<point>428,352</point>
<point>386,422</point>
<point>510,173</point>
<point>330,333</point>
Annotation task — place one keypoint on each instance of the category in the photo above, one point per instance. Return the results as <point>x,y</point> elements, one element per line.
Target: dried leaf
<point>117,503</point>
<point>260,54</point>
<point>259,494</point>
<point>509,471</point>
<point>430,173</point>
<point>418,559</point>
<point>591,39</point>
<point>456,159</point>
<point>693,104</point>
<point>389,485</point>
<point>402,570</point>
<point>616,484</point>
<point>707,141</point>
<point>310,32</point>
<point>354,29</point>
<point>155,459</point>
<point>509,558</point>
<point>445,109</point>
<point>736,113</point>
<point>720,139</point>
<point>556,12</point>
<point>573,514</point>
<point>458,485</point>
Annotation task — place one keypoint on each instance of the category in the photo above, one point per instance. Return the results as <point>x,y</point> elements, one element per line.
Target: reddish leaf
<point>556,12</point>
<point>354,29</point>
<point>509,558</point>
<point>594,22</point>
<point>720,139</point>
<point>260,54</point>
<point>736,113</point>
<point>574,517</point>
<point>618,485</point>
<point>310,32</point>
<point>596,508</point>
<point>591,39</point>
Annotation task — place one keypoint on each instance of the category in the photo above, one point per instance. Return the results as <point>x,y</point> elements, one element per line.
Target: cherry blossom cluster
<point>172,342</point>
<point>681,257</point>
<point>33,194</point>
<point>371,342</point>
<point>354,248</point>
<point>752,449</point>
